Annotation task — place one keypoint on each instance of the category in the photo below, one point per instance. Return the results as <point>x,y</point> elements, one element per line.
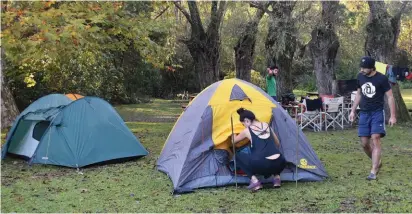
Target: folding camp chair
<point>311,117</point>
<point>347,108</point>
<point>333,112</point>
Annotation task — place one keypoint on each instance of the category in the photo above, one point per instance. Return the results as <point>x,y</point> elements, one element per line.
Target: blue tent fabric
<point>43,114</point>
<point>84,132</point>
<point>246,150</point>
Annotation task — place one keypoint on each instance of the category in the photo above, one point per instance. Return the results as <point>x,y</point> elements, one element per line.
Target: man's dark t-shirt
<point>373,91</point>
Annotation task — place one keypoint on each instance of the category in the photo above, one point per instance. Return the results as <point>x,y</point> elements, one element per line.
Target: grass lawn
<point>155,111</point>
<point>136,186</point>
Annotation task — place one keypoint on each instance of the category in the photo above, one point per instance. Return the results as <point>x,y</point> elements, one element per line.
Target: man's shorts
<point>372,123</point>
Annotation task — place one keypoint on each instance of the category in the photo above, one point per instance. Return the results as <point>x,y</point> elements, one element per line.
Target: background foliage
<point>126,52</point>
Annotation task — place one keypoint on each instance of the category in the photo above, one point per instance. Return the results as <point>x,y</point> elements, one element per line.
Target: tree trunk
<point>402,113</point>
<point>206,62</point>
<point>382,34</point>
<point>9,110</point>
<point>281,43</point>
<point>245,47</point>
<point>204,46</point>
<point>324,47</point>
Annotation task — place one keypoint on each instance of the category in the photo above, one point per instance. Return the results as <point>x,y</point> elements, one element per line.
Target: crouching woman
<point>265,158</point>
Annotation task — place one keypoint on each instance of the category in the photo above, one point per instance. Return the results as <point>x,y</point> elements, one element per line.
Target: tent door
<point>27,136</point>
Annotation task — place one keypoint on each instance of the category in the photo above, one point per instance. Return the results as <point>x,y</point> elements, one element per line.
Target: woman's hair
<point>243,113</point>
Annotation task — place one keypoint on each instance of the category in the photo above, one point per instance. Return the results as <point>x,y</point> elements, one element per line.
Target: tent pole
<point>297,145</point>
<point>233,147</point>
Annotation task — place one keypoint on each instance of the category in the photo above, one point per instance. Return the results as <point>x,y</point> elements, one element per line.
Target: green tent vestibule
<point>61,131</point>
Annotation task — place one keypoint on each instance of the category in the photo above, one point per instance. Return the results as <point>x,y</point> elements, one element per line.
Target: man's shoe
<point>371,177</point>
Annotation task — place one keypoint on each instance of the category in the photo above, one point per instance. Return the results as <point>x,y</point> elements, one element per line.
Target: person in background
<point>265,158</point>
<point>372,88</point>
<point>271,81</point>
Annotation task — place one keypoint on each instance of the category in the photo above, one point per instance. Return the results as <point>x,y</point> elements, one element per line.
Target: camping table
<point>289,109</point>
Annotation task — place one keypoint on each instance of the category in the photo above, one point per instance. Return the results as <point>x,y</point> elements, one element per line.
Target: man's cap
<point>367,62</point>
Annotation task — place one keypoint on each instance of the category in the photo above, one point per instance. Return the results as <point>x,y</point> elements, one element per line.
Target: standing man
<point>271,81</point>
<point>372,87</point>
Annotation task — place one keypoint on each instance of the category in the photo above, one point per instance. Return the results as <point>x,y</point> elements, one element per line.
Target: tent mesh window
<point>39,129</point>
<point>238,94</point>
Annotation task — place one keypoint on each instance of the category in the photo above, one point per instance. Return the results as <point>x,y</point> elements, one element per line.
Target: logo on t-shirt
<point>368,89</point>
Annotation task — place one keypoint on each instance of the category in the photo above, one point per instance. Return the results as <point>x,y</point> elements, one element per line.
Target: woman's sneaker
<point>276,182</point>
<point>254,186</point>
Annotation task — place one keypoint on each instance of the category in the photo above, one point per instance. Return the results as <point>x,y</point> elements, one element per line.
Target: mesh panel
<point>39,129</point>
<point>237,93</point>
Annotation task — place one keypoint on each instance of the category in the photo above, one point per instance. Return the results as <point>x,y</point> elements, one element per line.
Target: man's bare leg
<point>376,153</point>
<point>366,145</point>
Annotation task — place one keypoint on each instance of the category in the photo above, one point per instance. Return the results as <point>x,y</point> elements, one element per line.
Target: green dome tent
<point>59,131</point>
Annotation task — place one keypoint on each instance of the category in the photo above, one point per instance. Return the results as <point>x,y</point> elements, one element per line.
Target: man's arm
<point>267,83</point>
<point>355,105</point>
<point>391,102</point>
<point>357,100</point>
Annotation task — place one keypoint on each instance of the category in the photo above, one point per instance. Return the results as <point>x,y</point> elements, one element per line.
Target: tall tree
<point>204,44</point>
<point>245,46</point>
<point>381,42</point>
<point>324,47</point>
<point>281,43</point>
<point>75,45</point>
<point>9,110</point>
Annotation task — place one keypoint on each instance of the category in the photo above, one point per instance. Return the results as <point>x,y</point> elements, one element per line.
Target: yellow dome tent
<point>198,149</point>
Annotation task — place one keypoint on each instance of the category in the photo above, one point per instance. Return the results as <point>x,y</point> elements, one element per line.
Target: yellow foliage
<point>29,80</point>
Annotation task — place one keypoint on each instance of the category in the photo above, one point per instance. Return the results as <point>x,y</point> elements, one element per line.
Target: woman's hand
<point>233,137</point>
<point>239,137</point>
